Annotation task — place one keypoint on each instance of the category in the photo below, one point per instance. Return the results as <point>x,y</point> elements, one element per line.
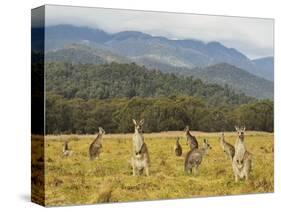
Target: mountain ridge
<point>188,53</point>
<point>222,73</point>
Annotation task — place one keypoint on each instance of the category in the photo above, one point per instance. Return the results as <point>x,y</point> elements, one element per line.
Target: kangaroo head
<point>101,131</point>
<point>240,132</point>
<point>240,163</point>
<point>206,145</point>
<point>186,129</point>
<point>138,126</point>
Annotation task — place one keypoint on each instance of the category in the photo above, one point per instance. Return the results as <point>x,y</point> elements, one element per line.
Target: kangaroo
<point>242,160</point>
<point>140,157</point>
<point>65,150</point>
<point>178,148</point>
<point>95,147</point>
<point>191,139</point>
<point>195,156</point>
<point>227,148</point>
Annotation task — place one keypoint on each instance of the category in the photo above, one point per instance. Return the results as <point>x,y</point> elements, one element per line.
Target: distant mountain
<point>265,67</point>
<point>80,53</point>
<point>60,35</point>
<point>236,78</point>
<point>222,74</point>
<point>74,55</point>
<point>154,51</point>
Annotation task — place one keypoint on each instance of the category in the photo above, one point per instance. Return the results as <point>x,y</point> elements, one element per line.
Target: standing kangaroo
<point>140,157</point>
<point>95,147</point>
<point>65,150</point>
<point>191,139</point>
<point>195,156</point>
<point>242,161</point>
<point>178,148</point>
<point>227,148</point>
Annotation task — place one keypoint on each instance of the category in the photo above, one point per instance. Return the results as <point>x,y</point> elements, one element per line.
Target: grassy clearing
<point>77,180</point>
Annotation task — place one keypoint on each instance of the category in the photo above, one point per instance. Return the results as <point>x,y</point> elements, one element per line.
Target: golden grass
<point>77,180</point>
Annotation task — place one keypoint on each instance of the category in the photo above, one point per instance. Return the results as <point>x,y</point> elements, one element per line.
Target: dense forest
<point>161,114</point>
<point>82,97</point>
<point>87,81</point>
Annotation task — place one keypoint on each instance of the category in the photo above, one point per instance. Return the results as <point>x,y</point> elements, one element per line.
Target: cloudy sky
<point>251,36</point>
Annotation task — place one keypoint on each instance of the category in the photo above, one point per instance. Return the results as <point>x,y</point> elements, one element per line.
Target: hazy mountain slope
<point>80,53</point>
<point>61,35</point>
<point>237,78</point>
<point>139,47</point>
<point>154,51</point>
<point>265,67</point>
<point>222,74</point>
<point>74,55</point>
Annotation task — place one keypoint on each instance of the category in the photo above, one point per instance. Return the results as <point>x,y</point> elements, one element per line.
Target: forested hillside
<point>81,98</point>
<point>223,73</point>
<point>237,78</point>
<point>82,54</point>
<point>115,80</point>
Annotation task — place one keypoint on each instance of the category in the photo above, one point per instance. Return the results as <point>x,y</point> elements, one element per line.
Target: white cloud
<point>252,36</point>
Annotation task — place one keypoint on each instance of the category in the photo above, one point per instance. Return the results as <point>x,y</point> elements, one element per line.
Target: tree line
<point>82,116</point>
<point>82,97</point>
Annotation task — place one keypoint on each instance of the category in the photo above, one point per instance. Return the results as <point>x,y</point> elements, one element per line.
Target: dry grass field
<point>77,180</point>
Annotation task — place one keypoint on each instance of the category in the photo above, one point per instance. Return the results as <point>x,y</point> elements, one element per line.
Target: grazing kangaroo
<point>140,157</point>
<point>95,147</point>
<point>178,148</point>
<point>242,160</point>
<point>227,147</point>
<point>195,156</point>
<point>191,139</point>
<point>65,150</point>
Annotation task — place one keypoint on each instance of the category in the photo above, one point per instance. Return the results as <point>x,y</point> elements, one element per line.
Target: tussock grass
<point>77,180</point>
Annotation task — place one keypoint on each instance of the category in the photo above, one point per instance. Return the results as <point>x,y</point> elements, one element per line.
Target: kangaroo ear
<point>142,122</point>
<point>186,128</point>
<point>205,141</point>
<point>134,121</point>
<point>236,128</point>
<point>244,128</point>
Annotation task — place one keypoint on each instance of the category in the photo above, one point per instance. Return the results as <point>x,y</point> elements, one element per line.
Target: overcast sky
<point>251,36</point>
